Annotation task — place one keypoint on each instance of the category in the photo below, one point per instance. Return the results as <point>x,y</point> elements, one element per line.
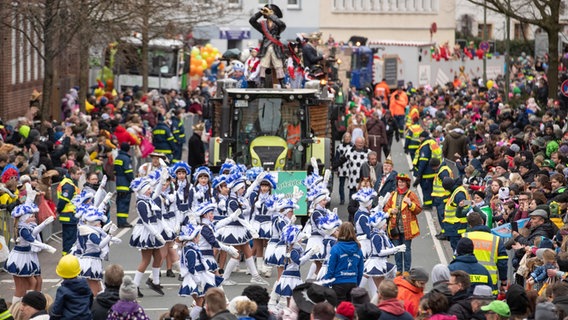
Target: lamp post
<point>485,40</point>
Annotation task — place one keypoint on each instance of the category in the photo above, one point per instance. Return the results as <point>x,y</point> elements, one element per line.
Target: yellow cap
<point>68,267</point>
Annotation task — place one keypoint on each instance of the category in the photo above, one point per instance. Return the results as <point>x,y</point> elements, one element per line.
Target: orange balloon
<point>210,60</point>
<point>192,72</point>
<point>110,84</point>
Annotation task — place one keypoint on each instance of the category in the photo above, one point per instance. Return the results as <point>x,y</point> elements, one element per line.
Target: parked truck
<point>400,62</point>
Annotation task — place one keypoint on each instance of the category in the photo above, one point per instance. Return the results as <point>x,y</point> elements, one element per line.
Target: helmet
<point>68,267</point>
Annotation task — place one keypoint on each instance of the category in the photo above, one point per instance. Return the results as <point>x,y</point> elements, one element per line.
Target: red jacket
<point>410,294</point>
<point>124,136</point>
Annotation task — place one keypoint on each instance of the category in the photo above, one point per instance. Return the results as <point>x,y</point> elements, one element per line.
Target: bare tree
<point>52,27</point>
<point>542,13</point>
<point>167,19</point>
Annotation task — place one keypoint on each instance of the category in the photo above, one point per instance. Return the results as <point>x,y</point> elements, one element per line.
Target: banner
<point>286,182</point>
<point>504,231</point>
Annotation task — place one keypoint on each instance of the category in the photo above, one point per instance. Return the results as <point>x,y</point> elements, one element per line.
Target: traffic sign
<point>484,45</point>
<point>564,88</point>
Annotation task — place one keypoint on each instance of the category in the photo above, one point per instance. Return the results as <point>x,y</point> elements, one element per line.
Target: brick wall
<point>27,70</point>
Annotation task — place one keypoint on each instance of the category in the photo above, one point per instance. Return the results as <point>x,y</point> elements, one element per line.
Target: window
<point>234,3</point>
<point>489,28</point>
<point>262,2</point>
<point>294,4</point>
<point>521,30</point>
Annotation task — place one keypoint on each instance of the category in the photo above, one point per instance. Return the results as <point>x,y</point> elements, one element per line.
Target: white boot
<point>267,270</point>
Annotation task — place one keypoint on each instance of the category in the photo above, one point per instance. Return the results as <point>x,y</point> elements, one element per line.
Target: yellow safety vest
<point>413,113</point>
<point>437,188</point>
<point>486,251</point>
<point>434,148</point>
<point>450,208</point>
<point>414,136</point>
<point>69,209</point>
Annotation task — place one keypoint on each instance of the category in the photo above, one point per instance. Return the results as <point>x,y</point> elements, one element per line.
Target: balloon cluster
<point>202,59</point>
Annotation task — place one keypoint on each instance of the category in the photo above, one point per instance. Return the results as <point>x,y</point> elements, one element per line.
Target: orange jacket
<point>410,294</point>
<point>410,225</point>
<point>398,106</point>
<point>382,89</point>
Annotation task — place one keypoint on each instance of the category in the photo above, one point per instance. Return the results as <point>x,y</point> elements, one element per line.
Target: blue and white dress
<point>196,278</point>
<point>197,195</point>
<point>23,260</point>
<point>291,277</point>
<point>169,219</point>
<point>377,264</point>
<point>363,230</point>
<point>208,242</point>
<point>261,221</point>
<point>318,234</point>
<point>235,233</point>
<point>275,252</point>
<point>221,212</point>
<point>147,225</point>
<point>181,192</point>
<point>89,251</point>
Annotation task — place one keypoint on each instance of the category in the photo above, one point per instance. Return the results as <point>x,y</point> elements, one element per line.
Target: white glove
<point>163,163</point>
<point>112,229</point>
<point>116,240</point>
<point>103,181</point>
<point>260,177</point>
<point>316,249</point>
<point>49,249</point>
<point>401,248</point>
<point>160,238</point>
<point>169,232</point>
<point>5,190</point>
<point>362,237</point>
<point>293,219</point>
<point>314,163</point>
<point>324,283</point>
<point>106,227</point>
<point>235,215</point>
<point>231,251</point>
<point>48,220</point>
<point>254,234</point>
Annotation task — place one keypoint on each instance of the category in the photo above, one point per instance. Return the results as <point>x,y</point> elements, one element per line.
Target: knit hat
<point>35,299</point>
<point>499,307</point>
<point>440,272</point>
<point>545,311</point>
<point>482,292</point>
<point>418,274</point>
<point>517,299</point>
<point>465,246</point>
<point>128,290</point>
<point>359,296</point>
<point>345,311</point>
<point>368,311</point>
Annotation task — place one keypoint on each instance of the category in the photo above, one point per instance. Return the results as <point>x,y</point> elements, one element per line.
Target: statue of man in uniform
<point>271,49</point>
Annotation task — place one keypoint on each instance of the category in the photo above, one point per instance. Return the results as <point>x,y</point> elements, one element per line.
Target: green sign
<point>287,180</point>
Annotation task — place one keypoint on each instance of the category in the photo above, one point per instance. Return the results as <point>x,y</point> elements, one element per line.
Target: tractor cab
<point>277,129</point>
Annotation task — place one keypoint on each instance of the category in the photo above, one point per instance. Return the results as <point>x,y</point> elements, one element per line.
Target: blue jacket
<point>163,139</point>
<point>345,263</point>
<point>389,185</point>
<point>123,171</point>
<point>477,272</point>
<point>73,300</point>
<point>178,130</point>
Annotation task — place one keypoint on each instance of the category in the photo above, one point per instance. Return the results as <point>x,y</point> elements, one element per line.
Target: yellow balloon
<point>208,46</point>
<point>215,51</point>
<point>489,84</point>
<point>204,64</point>
<point>194,51</point>
<point>205,55</point>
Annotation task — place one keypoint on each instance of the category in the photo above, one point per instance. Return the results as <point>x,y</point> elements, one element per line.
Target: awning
<point>234,34</point>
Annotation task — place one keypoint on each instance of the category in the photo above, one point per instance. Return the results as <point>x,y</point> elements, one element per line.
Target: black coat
<point>311,56</point>
<point>275,30</point>
<point>103,302</point>
<point>195,151</point>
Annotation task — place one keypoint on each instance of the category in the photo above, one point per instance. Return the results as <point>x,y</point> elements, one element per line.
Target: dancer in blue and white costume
<point>283,215</point>
<point>295,257</point>
<point>23,263</point>
<point>196,278</point>
<point>237,231</point>
<point>319,197</point>
<point>92,244</point>
<point>208,243</point>
<point>201,190</point>
<point>377,266</point>
<point>147,233</point>
<point>221,195</point>
<point>262,219</point>
<point>328,224</point>
<point>365,197</point>
<point>181,172</point>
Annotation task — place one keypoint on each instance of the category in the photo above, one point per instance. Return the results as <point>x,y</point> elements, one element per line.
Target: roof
<point>396,43</point>
<point>156,42</point>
